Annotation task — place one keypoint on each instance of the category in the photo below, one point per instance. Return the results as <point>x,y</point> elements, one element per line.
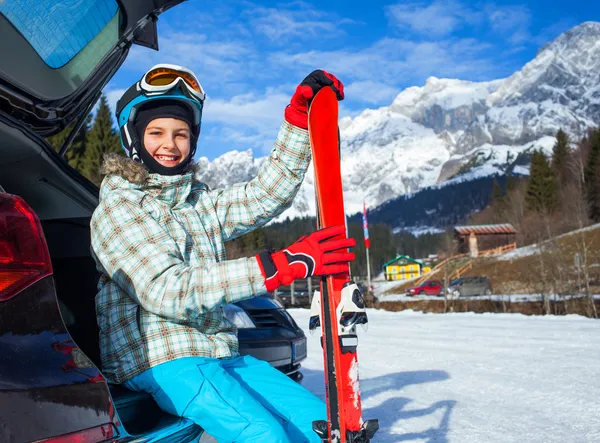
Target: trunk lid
<point>55,57</point>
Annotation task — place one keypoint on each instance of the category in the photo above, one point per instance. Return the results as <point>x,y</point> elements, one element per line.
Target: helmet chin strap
<point>156,168</point>
<point>167,108</point>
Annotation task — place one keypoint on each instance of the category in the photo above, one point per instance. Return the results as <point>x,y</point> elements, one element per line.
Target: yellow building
<point>404,268</point>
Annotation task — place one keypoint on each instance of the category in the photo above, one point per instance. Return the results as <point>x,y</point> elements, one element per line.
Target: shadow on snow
<point>392,412</point>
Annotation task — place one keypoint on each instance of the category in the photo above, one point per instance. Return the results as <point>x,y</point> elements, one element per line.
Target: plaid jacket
<point>158,242</point>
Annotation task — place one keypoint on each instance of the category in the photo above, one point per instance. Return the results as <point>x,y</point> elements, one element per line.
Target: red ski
<point>339,303</point>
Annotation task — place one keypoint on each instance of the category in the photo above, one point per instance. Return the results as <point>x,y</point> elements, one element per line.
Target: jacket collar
<point>124,173</point>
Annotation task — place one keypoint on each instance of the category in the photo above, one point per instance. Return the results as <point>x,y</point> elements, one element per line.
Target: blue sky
<point>249,56</point>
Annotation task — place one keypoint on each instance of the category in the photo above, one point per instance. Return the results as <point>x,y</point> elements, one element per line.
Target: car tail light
<point>24,256</point>
<point>98,434</point>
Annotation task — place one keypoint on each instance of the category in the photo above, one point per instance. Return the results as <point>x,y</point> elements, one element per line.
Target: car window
<point>58,31</point>
<point>53,47</point>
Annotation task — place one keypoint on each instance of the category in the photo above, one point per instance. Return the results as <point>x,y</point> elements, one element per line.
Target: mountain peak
<point>576,38</point>
<point>559,71</point>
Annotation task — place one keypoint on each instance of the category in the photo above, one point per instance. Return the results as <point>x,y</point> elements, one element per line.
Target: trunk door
<point>55,57</point>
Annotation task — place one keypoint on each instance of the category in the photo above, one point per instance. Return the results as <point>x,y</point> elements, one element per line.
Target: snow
<point>419,230</point>
<point>497,297</point>
<point>474,377</point>
<point>354,379</point>
<point>379,287</point>
<point>526,251</point>
<point>446,93</point>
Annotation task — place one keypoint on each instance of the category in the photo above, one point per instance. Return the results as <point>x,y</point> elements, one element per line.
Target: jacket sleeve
<point>246,206</point>
<point>144,261</point>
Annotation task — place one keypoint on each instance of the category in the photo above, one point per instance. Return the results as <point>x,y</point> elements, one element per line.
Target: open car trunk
<point>64,202</point>
<point>75,278</point>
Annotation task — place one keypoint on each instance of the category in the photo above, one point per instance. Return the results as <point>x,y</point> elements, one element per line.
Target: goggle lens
<point>166,76</point>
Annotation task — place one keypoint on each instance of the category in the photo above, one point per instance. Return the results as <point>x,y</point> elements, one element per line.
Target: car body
<point>51,388</point>
<point>430,287</point>
<point>470,286</point>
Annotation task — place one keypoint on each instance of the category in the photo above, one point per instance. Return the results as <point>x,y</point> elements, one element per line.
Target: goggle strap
<point>129,95</point>
<point>156,90</point>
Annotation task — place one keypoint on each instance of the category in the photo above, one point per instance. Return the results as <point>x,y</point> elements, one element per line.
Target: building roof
<point>505,228</point>
<point>406,257</point>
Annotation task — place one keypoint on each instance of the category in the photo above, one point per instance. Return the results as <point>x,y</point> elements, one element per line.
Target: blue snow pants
<point>242,399</point>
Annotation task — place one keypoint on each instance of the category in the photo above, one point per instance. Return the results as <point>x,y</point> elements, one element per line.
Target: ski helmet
<point>172,88</point>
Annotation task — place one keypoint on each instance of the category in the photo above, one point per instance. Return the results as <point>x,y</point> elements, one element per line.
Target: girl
<point>158,239</point>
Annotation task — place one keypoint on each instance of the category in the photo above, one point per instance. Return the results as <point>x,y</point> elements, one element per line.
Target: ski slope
<point>474,377</point>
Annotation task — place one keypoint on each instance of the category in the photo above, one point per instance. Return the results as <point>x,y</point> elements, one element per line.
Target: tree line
<point>438,206</point>
<point>96,137</point>
<point>561,194</point>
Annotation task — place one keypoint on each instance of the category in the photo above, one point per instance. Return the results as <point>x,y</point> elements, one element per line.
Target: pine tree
<point>541,193</point>
<point>76,150</point>
<point>102,139</point>
<point>560,155</point>
<point>592,176</point>
<point>497,194</point>
<point>497,206</point>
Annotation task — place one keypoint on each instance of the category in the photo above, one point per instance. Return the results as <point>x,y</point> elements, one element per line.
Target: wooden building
<point>476,240</point>
<point>404,268</point>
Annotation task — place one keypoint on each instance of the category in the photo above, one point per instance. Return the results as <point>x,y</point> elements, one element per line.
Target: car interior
<point>64,202</point>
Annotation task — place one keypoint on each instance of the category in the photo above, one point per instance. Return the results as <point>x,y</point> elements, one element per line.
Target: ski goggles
<point>162,78</point>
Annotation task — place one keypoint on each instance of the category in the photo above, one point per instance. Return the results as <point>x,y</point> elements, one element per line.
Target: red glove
<point>296,113</point>
<point>314,254</point>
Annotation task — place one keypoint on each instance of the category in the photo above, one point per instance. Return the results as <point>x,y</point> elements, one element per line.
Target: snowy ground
<point>381,286</point>
<point>505,297</point>
<point>474,377</point>
<point>526,251</point>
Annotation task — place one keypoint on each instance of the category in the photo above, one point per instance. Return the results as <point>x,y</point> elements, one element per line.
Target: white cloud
<point>395,61</point>
<point>436,19</point>
<point>217,58</point>
<point>444,17</point>
<point>248,110</point>
<point>508,18</point>
<point>512,22</point>
<point>244,121</point>
<point>371,92</point>
<point>303,22</point>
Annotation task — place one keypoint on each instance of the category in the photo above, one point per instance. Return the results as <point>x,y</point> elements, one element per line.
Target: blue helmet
<point>142,96</point>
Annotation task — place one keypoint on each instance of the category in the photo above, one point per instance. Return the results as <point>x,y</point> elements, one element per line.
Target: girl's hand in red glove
<point>296,113</point>
<point>321,253</point>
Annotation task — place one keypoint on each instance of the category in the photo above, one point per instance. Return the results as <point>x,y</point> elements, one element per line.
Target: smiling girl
<point>158,238</point>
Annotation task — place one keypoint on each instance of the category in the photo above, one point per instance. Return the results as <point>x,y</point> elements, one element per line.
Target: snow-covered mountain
<point>452,129</point>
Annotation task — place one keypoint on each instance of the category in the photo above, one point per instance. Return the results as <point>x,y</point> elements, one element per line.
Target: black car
<point>51,389</point>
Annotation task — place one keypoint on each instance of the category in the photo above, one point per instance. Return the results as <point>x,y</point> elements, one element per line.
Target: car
<point>51,388</point>
<point>430,287</point>
<point>468,286</point>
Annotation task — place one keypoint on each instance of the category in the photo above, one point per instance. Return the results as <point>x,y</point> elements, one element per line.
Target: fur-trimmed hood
<point>130,170</point>
<point>132,180</point>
